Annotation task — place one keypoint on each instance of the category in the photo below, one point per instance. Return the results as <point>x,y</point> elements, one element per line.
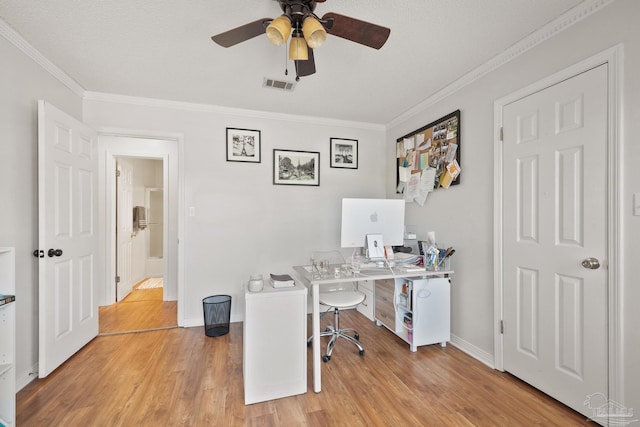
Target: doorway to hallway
<point>156,199</point>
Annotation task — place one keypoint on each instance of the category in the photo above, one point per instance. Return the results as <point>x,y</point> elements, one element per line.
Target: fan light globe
<point>314,32</point>
<point>279,29</point>
<point>298,49</point>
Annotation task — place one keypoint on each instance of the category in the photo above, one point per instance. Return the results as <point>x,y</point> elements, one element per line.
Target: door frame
<point>613,58</point>
<point>174,190</point>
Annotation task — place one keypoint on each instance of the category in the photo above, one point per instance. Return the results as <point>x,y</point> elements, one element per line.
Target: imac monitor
<point>372,216</point>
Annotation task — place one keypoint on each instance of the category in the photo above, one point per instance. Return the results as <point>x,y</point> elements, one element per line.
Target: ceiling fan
<point>307,32</point>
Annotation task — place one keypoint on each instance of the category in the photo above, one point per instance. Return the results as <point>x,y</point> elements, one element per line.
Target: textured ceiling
<point>162,49</point>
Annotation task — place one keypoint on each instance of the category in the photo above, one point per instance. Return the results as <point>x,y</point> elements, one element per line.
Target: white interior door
<point>554,210</point>
<point>124,228</point>
<point>67,197</point>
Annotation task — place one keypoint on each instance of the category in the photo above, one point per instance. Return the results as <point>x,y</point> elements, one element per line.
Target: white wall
<point>463,215</point>
<point>22,83</point>
<point>244,224</point>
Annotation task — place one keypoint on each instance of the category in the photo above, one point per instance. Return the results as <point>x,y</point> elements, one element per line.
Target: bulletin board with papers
<point>429,158</point>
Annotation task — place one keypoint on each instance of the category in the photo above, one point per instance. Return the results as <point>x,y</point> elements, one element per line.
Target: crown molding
<point>18,41</point>
<point>554,27</point>
<point>228,111</point>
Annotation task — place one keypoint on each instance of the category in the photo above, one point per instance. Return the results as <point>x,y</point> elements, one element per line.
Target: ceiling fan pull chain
<point>286,61</point>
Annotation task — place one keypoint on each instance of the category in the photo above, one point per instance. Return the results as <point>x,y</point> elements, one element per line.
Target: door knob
<point>38,253</point>
<point>591,263</point>
<point>54,252</point>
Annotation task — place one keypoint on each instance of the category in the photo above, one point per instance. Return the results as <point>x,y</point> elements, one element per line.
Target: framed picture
<point>344,153</point>
<point>243,145</point>
<point>296,167</point>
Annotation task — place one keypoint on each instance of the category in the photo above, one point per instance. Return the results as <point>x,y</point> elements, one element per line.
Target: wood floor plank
<point>180,377</point>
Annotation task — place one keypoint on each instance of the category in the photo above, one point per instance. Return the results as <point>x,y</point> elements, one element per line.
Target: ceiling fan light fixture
<point>298,50</point>
<point>313,31</point>
<point>278,30</point>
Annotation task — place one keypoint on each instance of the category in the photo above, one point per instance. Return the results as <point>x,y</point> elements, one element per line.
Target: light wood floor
<point>180,377</point>
<point>142,309</point>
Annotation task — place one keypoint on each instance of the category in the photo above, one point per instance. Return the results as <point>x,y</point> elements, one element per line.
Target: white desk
<point>315,283</point>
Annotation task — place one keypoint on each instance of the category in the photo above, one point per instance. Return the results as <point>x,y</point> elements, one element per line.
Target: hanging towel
<point>139,218</point>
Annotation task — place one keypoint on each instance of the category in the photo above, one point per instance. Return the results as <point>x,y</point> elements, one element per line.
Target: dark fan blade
<point>242,33</point>
<point>308,67</point>
<point>358,31</point>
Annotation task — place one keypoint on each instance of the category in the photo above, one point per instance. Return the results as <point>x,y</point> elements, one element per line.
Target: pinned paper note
<point>409,143</point>
<point>424,161</point>
<point>404,173</point>
<point>412,189</point>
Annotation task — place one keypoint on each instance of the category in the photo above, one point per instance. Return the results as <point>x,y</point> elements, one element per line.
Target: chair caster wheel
<point>309,343</point>
<point>326,358</point>
<point>361,352</point>
<point>357,336</point>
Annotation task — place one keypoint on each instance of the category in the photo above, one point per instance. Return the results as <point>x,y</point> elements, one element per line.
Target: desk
<point>274,356</point>
<point>373,274</point>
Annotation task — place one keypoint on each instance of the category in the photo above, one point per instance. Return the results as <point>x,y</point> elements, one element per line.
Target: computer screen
<point>372,216</point>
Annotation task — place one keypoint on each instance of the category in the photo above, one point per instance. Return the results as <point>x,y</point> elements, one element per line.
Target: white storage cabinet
<point>416,310</point>
<point>275,343</point>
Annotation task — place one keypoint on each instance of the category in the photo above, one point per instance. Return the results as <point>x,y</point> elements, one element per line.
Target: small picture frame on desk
<point>375,246</point>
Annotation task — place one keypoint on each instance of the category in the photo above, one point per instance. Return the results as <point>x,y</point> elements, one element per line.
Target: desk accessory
<point>282,281</point>
<point>256,283</point>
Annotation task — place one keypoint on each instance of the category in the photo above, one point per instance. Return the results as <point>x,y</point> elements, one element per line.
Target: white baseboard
<point>473,351</point>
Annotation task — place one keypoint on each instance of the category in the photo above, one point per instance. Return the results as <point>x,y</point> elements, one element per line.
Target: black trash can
<point>217,311</point>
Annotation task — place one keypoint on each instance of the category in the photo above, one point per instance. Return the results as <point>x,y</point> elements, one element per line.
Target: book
<point>5,299</point>
<point>282,281</point>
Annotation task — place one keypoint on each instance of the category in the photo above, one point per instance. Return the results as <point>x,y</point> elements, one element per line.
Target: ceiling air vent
<point>279,84</point>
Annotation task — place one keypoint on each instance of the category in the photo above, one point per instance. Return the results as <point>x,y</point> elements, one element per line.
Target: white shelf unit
<point>275,343</point>
<point>416,310</point>
<point>7,340</point>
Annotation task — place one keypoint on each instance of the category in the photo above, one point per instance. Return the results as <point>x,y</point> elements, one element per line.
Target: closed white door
<point>555,192</point>
<point>67,204</point>
<point>124,228</point>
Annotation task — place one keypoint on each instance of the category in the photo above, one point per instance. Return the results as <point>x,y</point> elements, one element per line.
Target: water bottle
<point>355,262</point>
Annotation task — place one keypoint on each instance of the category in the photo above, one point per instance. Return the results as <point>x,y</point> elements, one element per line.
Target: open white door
<point>124,228</point>
<point>67,238</point>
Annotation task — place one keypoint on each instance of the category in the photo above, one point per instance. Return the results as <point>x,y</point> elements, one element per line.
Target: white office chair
<point>346,296</point>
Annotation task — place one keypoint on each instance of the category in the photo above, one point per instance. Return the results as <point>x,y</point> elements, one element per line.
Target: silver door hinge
<point>502,326</point>
<point>117,279</point>
<point>117,173</point>
<point>501,134</point>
